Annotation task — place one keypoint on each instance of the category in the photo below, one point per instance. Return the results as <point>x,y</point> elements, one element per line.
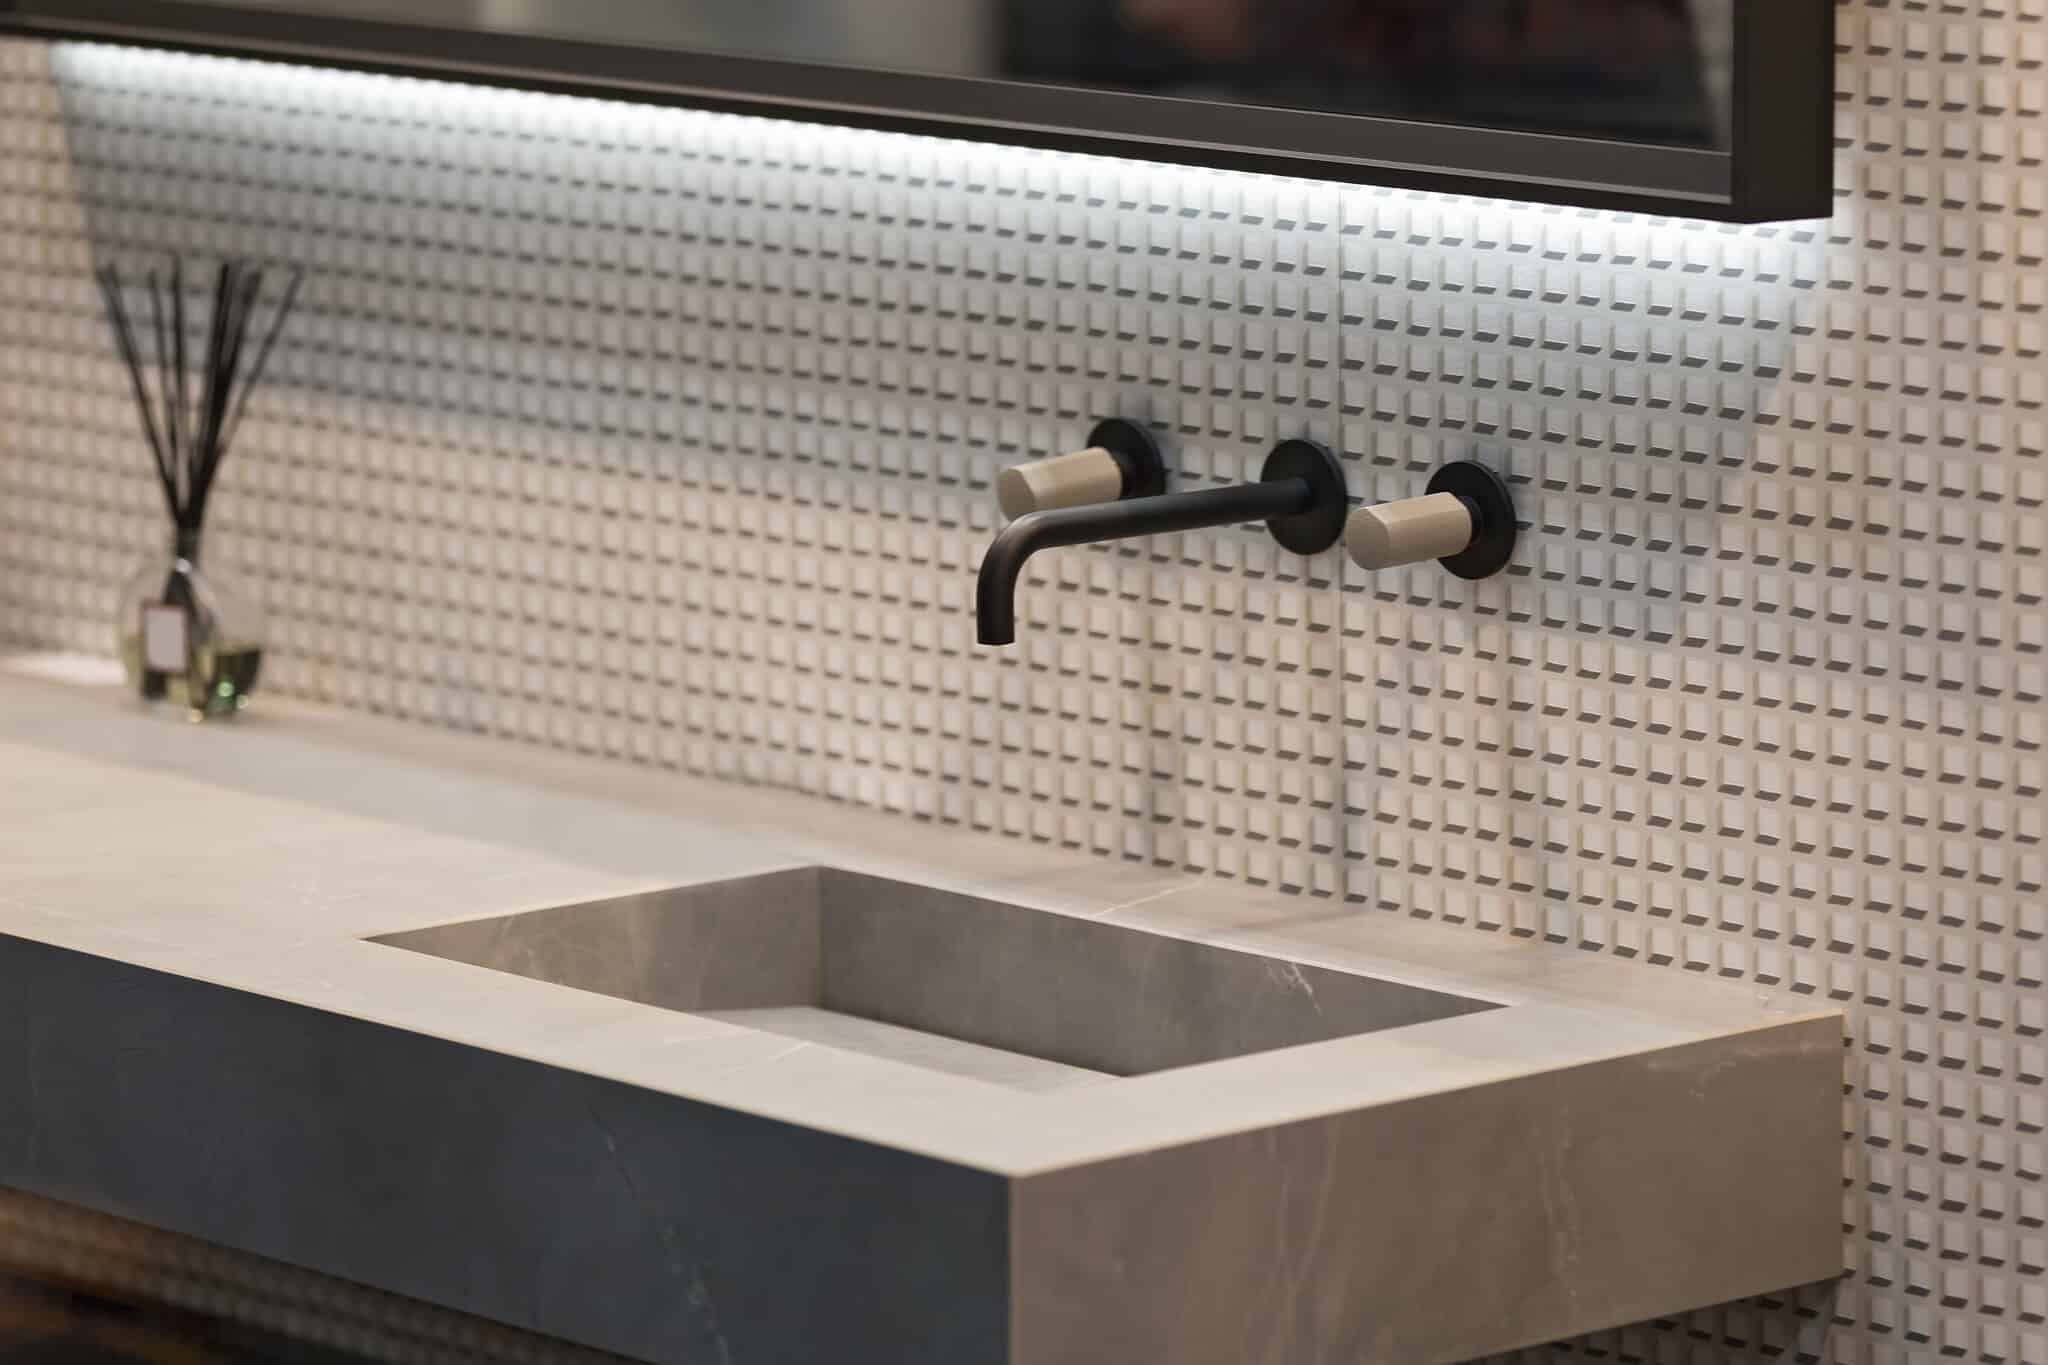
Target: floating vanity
<point>653,1065</point>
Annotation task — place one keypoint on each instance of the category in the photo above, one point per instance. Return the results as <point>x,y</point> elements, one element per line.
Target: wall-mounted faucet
<point>1300,496</point>
<point>1120,461</point>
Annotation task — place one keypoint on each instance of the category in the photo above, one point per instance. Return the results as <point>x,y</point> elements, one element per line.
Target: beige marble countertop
<point>261,855</point>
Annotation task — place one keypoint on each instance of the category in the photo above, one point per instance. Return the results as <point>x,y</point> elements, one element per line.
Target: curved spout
<point>996,594</point>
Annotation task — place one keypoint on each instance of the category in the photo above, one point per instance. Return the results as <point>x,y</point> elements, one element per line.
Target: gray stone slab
<point>808,1115</point>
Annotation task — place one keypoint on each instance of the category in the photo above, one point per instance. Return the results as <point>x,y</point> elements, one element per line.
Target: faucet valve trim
<point>1300,496</point>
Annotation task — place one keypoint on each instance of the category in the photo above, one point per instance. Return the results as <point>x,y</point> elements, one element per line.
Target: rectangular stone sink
<point>933,979</point>
<point>1344,1140</point>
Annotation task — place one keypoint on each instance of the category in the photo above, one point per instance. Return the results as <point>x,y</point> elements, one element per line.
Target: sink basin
<point>1335,1140</point>
<point>935,979</point>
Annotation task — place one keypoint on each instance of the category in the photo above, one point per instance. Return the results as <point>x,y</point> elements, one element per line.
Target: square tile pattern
<point>671,437</point>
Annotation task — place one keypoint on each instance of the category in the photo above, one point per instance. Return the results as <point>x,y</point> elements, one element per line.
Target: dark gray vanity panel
<point>616,1217</point>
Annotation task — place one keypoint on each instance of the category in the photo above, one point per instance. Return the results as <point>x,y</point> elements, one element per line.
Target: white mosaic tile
<point>671,437</point>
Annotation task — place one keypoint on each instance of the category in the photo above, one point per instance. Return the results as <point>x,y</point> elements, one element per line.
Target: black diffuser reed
<point>178,639</point>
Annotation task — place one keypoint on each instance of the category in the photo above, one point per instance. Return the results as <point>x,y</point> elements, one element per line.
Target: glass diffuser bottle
<point>189,640</point>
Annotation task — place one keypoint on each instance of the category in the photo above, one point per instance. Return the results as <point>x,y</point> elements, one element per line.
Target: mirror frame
<point>1779,166</point>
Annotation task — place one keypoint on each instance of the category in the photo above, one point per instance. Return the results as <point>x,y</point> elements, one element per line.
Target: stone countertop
<point>261,856</point>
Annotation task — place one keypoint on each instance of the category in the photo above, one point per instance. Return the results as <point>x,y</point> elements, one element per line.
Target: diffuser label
<point>163,639</point>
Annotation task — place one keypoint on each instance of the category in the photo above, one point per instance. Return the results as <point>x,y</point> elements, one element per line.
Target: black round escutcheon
<point>1322,525</point>
<point>1136,453</point>
<point>1493,518</point>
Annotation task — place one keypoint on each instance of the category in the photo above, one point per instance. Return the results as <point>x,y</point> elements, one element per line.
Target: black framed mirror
<point>1717,109</point>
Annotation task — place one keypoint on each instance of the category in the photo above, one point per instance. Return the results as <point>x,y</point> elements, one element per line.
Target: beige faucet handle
<point>1408,532</point>
<point>1075,480</point>
<point>1466,522</point>
<point>1121,460</point>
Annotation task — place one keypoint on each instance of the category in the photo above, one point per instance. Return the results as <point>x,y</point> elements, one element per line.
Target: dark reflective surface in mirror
<point>1651,71</point>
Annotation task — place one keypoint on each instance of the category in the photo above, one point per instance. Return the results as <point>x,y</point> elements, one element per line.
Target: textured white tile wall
<point>669,437</point>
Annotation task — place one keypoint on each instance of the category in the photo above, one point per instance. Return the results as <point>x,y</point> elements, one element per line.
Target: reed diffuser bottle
<point>188,640</point>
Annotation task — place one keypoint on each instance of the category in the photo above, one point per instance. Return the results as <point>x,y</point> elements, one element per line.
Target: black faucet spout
<point>1003,565</point>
